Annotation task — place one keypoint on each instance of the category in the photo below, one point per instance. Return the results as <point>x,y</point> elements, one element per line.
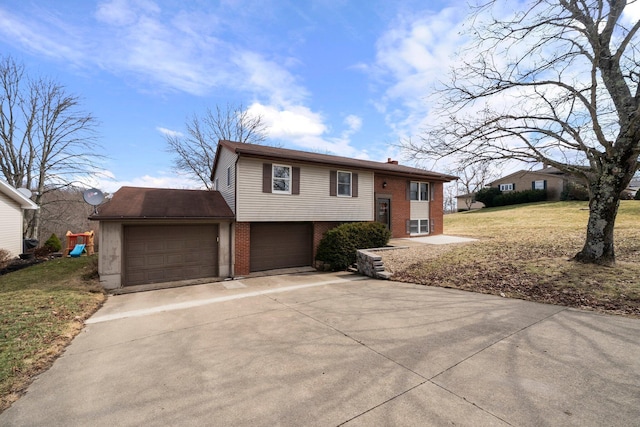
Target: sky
<point>346,77</point>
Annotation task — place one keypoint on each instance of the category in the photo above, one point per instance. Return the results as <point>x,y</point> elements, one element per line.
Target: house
<point>13,203</point>
<point>548,178</point>
<point>269,210</point>
<point>285,200</point>
<point>467,202</point>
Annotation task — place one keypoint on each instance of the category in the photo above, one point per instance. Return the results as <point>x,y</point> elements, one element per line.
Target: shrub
<point>637,196</point>
<point>519,197</point>
<point>53,243</point>
<point>492,196</point>
<point>574,191</point>
<point>5,258</point>
<point>487,194</point>
<point>339,245</point>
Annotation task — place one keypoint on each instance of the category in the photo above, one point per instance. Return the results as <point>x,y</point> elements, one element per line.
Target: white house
<point>12,206</point>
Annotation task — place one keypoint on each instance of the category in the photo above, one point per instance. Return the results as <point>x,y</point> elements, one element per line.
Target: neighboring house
<point>467,202</point>
<point>12,206</point>
<point>285,200</point>
<point>269,210</point>
<point>547,178</point>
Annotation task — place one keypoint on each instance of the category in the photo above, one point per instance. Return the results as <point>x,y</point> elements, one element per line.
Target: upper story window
<point>344,184</point>
<point>281,179</point>
<point>419,191</point>
<point>507,187</point>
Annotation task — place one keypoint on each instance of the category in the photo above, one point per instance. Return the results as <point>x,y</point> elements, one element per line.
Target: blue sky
<point>350,77</point>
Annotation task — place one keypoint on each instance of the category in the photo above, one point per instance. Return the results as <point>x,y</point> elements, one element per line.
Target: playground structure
<point>78,243</point>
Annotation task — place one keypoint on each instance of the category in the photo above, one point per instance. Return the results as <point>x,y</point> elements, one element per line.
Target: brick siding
<point>242,249</point>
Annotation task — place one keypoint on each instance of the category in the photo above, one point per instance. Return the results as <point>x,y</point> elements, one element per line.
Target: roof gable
<point>18,197</point>
<point>285,154</point>
<point>160,203</point>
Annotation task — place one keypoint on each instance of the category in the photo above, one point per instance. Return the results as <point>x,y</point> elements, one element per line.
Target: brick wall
<point>396,190</point>
<point>243,248</point>
<point>436,213</point>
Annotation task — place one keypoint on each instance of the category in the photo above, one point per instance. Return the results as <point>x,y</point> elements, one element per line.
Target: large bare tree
<point>556,82</point>
<point>46,141</point>
<point>195,151</point>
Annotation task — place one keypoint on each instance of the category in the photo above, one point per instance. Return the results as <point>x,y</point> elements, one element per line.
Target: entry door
<point>383,212</point>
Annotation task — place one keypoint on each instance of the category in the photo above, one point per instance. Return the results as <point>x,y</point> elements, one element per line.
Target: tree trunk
<point>603,209</point>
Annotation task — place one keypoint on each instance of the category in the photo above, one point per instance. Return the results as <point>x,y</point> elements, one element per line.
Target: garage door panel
<point>280,245</point>
<point>164,253</point>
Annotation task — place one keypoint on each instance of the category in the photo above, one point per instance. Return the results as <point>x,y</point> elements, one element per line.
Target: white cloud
<point>411,56</point>
<point>108,182</point>
<point>169,132</point>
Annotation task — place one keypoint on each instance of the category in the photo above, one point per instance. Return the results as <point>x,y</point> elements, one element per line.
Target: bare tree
<point>555,83</point>
<point>472,178</point>
<point>195,152</point>
<point>46,141</point>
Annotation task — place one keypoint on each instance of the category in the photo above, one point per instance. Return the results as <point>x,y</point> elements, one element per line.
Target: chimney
<point>393,162</point>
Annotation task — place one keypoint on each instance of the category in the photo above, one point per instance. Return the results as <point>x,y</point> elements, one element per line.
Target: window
<point>344,184</point>
<point>506,187</point>
<point>538,185</point>
<point>419,191</point>
<point>419,226</point>
<point>281,179</point>
<point>229,176</point>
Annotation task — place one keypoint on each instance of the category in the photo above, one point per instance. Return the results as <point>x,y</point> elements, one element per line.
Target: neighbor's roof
<point>280,154</point>
<point>546,172</point>
<point>163,203</point>
<point>16,196</point>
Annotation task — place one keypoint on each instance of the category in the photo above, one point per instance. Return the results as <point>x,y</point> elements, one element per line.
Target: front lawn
<point>42,308</point>
<point>523,252</point>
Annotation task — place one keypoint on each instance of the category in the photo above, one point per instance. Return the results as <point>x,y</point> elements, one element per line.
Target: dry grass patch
<point>523,252</point>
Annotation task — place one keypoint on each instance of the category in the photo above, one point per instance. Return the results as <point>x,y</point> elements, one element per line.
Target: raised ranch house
<point>12,207</point>
<point>270,209</point>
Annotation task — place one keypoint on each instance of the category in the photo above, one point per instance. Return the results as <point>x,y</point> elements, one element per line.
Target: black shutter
<point>545,184</point>
<point>514,186</point>
<point>533,185</point>
<point>354,185</point>
<point>408,195</point>
<point>295,180</point>
<point>333,183</point>
<point>267,183</point>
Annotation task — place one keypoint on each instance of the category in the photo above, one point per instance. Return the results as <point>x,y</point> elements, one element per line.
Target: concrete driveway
<point>337,349</point>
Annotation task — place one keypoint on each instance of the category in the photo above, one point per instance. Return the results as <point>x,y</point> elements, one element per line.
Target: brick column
<point>242,249</point>
<point>436,208</point>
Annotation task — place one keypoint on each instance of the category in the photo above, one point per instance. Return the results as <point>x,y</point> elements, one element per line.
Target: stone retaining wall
<point>370,264</point>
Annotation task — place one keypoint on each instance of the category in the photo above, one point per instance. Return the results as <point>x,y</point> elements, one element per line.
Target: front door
<point>383,212</point>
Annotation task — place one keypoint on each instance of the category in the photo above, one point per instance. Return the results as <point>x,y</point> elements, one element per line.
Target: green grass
<point>524,251</point>
<point>42,308</point>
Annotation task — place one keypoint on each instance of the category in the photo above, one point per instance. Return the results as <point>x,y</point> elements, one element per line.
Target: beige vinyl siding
<point>419,209</point>
<point>312,204</point>
<point>227,160</point>
<point>10,225</point>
